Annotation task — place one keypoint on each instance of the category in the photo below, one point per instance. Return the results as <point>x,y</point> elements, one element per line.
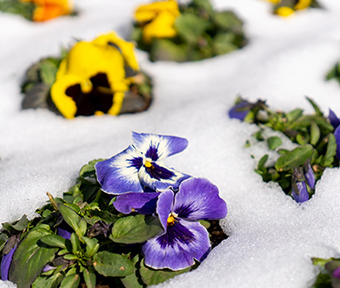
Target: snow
<point>272,238</point>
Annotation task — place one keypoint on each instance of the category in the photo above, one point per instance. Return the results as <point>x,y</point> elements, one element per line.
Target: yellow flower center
<point>148,164</point>
<point>171,219</point>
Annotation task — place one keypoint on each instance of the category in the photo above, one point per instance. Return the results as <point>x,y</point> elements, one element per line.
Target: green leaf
<point>190,27</point>
<point>90,277</point>
<point>92,246</point>
<point>88,170</point>
<point>75,243</point>
<point>48,71</point>
<point>154,277</point>
<point>224,43</point>
<point>54,241</point>
<point>203,4</point>
<point>323,280</point>
<point>73,219</point>
<point>302,139</point>
<point>165,49</point>
<point>135,229</point>
<point>71,281</point>
<point>315,106</point>
<point>262,162</point>
<point>204,223</point>
<point>29,259</point>
<point>294,158</point>
<point>314,133</point>
<point>20,225</point>
<point>228,21</point>
<point>48,282</point>
<point>3,240</point>
<point>274,142</point>
<point>328,158</point>
<point>294,115</point>
<point>112,265</point>
<point>133,280</point>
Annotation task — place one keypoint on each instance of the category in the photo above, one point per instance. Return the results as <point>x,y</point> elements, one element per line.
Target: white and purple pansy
<point>184,239</point>
<point>139,167</point>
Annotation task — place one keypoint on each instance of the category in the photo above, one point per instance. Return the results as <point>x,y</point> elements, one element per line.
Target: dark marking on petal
<point>136,162</point>
<point>158,172</point>
<point>176,233</point>
<point>100,97</point>
<point>152,153</point>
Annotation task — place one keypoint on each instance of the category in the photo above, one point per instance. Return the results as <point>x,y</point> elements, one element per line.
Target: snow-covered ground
<point>272,238</point>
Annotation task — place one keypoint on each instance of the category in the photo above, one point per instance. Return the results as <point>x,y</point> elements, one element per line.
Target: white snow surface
<point>272,238</point>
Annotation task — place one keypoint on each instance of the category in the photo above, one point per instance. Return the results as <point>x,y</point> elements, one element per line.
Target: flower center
<point>148,164</point>
<point>171,219</point>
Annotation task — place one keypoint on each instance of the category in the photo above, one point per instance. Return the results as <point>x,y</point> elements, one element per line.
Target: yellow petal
<point>49,9</point>
<point>161,27</point>
<point>118,98</point>
<point>148,12</point>
<point>302,4</point>
<point>274,1</point>
<point>64,103</point>
<point>284,11</point>
<point>127,48</point>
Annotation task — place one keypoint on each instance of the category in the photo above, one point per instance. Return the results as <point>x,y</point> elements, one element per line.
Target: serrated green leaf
<point>294,158</point>
<point>274,142</point>
<point>54,241</point>
<point>90,277</point>
<point>29,259</point>
<point>154,277</point>
<point>135,229</point>
<point>328,158</point>
<point>112,265</point>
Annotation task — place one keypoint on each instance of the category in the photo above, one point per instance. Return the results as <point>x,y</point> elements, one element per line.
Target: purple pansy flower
<point>303,177</point>
<point>240,110</point>
<point>139,166</point>
<point>301,195</point>
<point>184,238</point>
<point>335,121</point>
<point>6,263</point>
<point>336,273</point>
<point>64,233</point>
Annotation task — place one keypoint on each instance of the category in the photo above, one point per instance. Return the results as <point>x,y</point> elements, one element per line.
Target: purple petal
<point>302,195</point>
<point>64,233</point>
<point>239,111</point>
<point>198,199</point>
<point>158,146</point>
<point>335,121</point>
<point>160,177</point>
<point>48,268</point>
<point>336,273</point>
<point>177,249</point>
<point>143,203</point>
<point>337,140</point>
<point>6,263</point>
<point>310,177</point>
<point>165,207</point>
<point>119,174</point>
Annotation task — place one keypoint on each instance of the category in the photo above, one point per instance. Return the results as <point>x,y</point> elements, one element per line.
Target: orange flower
<point>49,9</point>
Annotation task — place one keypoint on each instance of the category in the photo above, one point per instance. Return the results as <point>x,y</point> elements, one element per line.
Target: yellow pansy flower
<point>284,11</point>
<point>49,9</point>
<point>91,80</point>
<point>158,19</point>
